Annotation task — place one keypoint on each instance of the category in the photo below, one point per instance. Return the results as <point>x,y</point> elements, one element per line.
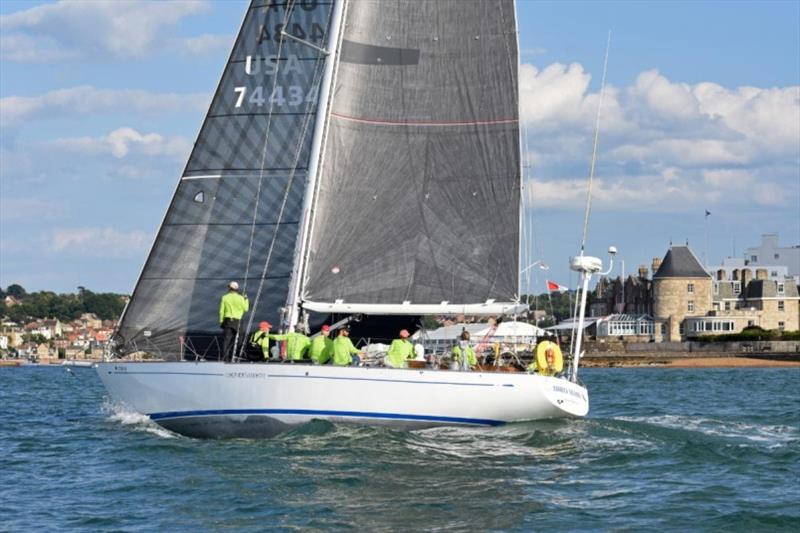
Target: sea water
<point>666,449</point>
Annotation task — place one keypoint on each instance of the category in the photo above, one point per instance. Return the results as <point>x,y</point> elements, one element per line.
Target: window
<point>200,197</point>
<point>690,306</point>
<point>754,258</point>
<point>781,326</point>
<point>716,306</point>
<point>690,287</point>
<point>780,305</point>
<point>777,256</point>
<point>680,328</point>
<point>716,288</point>
<point>774,273</point>
<point>781,288</point>
<point>737,287</point>
<point>751,322</point>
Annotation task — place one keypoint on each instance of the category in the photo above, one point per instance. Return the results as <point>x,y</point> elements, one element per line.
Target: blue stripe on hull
<point>314,412</point>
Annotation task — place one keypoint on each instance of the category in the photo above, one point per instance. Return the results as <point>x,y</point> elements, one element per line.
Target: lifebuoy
<point>549,360</point>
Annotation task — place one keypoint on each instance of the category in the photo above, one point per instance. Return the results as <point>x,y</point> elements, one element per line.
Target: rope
<point>594,149</point>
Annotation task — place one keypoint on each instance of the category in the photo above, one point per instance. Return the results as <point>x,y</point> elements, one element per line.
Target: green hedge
<point>752,335</point>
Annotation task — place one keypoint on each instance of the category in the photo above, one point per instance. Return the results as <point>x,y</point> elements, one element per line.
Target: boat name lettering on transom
<point>568,391</point>
<point>245,375</point>
<point>120,368</point>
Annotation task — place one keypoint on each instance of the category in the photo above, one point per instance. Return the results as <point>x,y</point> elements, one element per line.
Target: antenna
<point>594,149</point>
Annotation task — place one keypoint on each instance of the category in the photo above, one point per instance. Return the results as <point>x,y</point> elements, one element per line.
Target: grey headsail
<point>242,190</point>
<point>419,194</point>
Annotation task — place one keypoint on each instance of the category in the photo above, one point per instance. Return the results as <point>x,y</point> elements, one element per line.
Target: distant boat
<point>358,158</point>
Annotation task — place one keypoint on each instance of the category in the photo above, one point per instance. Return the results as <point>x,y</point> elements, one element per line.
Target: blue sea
<point>665,449</point>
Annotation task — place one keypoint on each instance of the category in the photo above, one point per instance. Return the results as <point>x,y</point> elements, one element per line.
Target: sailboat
<point>358,159</point>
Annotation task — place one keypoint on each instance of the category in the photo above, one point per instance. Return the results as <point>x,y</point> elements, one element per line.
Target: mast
<point>295,286</point>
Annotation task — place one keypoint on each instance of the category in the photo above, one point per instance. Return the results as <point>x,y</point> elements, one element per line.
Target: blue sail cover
<point>251,154</point>
<point>419,196</point>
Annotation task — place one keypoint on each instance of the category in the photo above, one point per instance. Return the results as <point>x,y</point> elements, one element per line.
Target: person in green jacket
<point>232,307</point>
<point>400,350</point>
<point>296,343</point>
<point>321,346</point>
<point>261,338</point>
<point>344,353</point>
<point>457,352</point>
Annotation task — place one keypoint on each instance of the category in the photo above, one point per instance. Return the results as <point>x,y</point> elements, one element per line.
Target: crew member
<point>457,351</point>
<point>344,353</point>
<point>231,308</point>
<point>321,346</point>
<point>400,350</point>
<point>260,338</point>
<point>296,343</point>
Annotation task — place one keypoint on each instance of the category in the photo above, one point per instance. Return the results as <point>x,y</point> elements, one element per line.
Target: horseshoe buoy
<point>549,360</point>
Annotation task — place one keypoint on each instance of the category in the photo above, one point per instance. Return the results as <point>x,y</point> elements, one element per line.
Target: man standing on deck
<point>296,343</point>
<point>400,351</point>
<point>231,308</point>
<point>344,353</point>
<point>321,347</point>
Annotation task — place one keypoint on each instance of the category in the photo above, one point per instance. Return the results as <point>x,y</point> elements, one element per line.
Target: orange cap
<point>404,333</point>
<point>264,325</point>
<point>326,327</point>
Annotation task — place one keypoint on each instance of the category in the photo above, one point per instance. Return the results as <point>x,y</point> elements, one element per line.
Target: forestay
<point>418,197</point>
<point>249,161</point>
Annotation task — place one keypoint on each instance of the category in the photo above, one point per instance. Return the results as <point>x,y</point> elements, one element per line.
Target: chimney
<point>656,264</point>
<point>643,271</point>
<point>747,276</point>
<point>761,273</point>
<point>736,274</point>
<point>721,274</point>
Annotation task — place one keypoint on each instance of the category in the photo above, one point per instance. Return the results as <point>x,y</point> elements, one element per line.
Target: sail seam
<point>424,122</point>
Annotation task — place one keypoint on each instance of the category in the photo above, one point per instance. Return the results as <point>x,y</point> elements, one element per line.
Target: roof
<point>571,323</point>
<point>680,262</point>
<point>768,288</point>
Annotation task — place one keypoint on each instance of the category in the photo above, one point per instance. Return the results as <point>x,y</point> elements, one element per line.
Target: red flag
<point>553,286</point>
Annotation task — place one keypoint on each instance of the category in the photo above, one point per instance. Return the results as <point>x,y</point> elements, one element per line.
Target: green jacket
<point>321,349</point>
<point>261,338</point>
<point>232,305</point>
<point>400,351</point>
<point>343,350</point>
<point>296,344</point>
<point>471,359</point>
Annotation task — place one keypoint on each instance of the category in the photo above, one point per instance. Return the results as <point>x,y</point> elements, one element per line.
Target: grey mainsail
<point>418,196</point>
<point>240,197</point>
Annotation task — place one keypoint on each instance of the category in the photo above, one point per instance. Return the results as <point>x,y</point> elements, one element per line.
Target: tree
<point>17,291</point>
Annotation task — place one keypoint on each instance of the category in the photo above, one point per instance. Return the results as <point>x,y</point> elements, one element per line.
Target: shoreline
<point>726,361</point>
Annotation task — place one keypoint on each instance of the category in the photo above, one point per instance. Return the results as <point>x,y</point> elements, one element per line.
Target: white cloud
<point>99,242</point>
<point>85,100</point>
<point>124,141</point>
<point>72,29</point>
<point>664,145</point>
<point>203,44</point>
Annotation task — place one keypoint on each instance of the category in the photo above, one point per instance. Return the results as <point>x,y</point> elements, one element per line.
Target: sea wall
<point>689,348</point>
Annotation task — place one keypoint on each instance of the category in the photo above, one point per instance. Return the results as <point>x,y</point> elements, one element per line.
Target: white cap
<point>233,285</point>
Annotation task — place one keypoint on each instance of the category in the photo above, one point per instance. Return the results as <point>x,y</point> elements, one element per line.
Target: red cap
<point>264,325</point>
<point>326,327</point>
<point>404,333</point>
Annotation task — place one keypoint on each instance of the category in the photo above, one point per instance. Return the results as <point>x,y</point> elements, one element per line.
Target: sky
<point>100,103</point>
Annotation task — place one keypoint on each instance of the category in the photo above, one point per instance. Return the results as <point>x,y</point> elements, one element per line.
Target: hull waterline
<point>223,400</point>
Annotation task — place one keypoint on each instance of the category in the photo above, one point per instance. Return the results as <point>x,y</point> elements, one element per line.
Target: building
<point>634,296</point>
<point>681,288</point>
<point>737,268</point>
<point>769,252</point>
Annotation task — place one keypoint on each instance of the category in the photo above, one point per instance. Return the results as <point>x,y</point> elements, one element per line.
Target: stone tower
<point>681,288</point>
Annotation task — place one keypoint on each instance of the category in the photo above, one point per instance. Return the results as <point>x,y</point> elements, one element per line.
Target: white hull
<point>212,399</point>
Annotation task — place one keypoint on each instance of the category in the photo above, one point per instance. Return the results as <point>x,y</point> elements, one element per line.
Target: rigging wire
<point>316,81</point>
<point>594,148</point>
